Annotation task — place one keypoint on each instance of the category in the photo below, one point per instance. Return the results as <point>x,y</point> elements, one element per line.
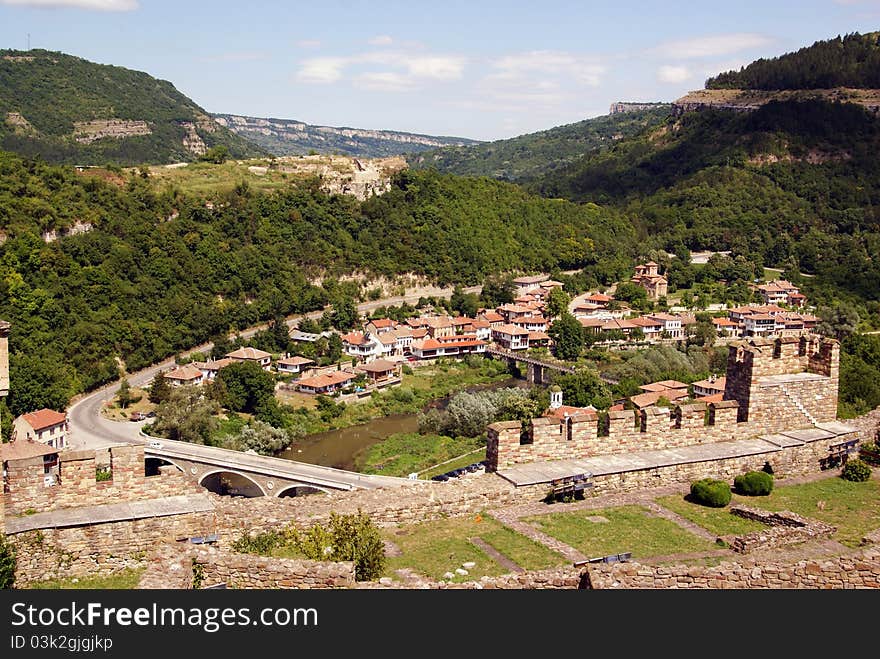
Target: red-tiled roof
<point>447,342</point>
<point>539,336</point>
<point>44,418</point>
<point>185,372</point>
<point>493,317</point>
<point>714,398</point>
<point>651,397</point>
<point>511,330</point>
<point>327,380</point>
<point>724,322</point>
<point>719,383</point>
<point>380,323</point>
<point>599,297</point>
<point>21,449</point>
<point>567,410</point>
<point>380,366</point>
<point>295,361</point>
<point>215,365</point>
<point>248,353</point>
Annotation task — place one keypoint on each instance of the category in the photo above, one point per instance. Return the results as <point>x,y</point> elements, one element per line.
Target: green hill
<point>850,61</point>
<point>529,156</point>
<point>159,271</point>
<point>69,110</point>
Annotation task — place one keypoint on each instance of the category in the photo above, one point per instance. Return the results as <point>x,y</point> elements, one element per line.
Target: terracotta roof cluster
<point>45,418</point>
<point>511,330</point>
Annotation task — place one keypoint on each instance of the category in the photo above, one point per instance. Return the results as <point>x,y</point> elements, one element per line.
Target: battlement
<point>545,438</point>
<point>29,489</point>
<point>772,386</point>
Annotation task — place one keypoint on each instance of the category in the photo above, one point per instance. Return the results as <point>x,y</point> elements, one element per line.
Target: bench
<point>570,485</point>
<point>612,558</point>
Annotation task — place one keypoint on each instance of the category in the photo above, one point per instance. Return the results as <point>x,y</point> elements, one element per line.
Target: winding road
<point>90,430</point>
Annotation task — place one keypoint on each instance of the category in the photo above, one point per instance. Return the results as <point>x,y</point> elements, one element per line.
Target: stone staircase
<point>798,405</point>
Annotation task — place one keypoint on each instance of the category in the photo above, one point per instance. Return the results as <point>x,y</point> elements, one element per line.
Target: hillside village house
<point>647,277</point>
<point>781,291</point>
<point>211,369</point>
<point>380,371</point>
<point>292,365</point>
<point>185,375</point>
<point>511,337</point>
<point>526,283</point>
<point>261,357</point>
<point>672,324</point>
<point>44,426</point>
<point>448,346</point>
<point>326,383</point>
<point>710,386</point>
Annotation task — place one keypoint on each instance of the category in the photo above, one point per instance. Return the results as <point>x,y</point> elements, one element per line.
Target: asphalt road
<point>90,430</point>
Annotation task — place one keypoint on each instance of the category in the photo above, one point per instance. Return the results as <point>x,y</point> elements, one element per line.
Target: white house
<point>292,365</point>
<point>44,426</point>
<point>261,357</point>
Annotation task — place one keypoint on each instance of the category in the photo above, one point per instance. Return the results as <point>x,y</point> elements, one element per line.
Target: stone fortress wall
<point>772,386</point>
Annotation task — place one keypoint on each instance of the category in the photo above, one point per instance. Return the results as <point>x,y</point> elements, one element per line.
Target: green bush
<point>754,483</point>
<point>870,453</point>
<point>711,492</point>
<point>7,563</point>
<point>856,470</point>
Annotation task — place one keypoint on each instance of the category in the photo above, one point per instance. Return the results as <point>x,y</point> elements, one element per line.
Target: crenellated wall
<point>772,386</point>
<point>77,484</point>
<point>628,430</point>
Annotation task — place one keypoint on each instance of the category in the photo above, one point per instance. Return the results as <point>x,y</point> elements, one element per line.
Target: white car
<point>155,444</point>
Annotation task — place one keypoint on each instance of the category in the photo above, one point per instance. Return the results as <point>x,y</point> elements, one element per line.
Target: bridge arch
<point>152,464</point>
<point>299,489</point>
<point>206,483</point>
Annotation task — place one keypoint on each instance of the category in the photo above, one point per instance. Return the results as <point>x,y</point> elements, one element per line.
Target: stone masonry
<point>772,386</point>
<point>786,528</point>
<point>176,566</point>
<point>77,484</point>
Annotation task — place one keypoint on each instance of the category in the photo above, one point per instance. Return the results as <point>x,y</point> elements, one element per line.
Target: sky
<point>479,69</point>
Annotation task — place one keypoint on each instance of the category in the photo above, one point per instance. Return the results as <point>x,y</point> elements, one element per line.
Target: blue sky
<point>479,69</point>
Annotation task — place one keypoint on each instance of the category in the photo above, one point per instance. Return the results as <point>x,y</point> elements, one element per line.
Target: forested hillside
<point>789,184</point>
<point>526,157</point>
<point>161,272</point>
<point>849,61</point>
<point>67,109</point>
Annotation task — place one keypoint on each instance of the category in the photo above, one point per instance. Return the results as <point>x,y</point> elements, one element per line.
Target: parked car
<point>137,416</point>
<point>155,444</point>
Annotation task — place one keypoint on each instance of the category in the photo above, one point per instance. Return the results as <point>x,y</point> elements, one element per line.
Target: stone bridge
<point>234,472</point>
<point>535,367</point>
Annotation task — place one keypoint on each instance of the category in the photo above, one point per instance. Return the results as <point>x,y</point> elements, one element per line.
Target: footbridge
<point>536,368</point>
<point>267,476</point>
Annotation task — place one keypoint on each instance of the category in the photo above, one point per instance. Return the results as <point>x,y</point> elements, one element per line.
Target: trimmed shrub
<point>856,470</point>
<point>711,492</point>
<point>754,483</point>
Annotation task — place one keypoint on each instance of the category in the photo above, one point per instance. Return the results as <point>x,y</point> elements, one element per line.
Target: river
<point>340,448</point>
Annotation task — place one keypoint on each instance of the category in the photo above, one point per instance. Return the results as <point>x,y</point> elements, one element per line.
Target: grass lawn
<point>124,580</point>
<point>434,548</point>
<point>112,411</point>
<point>719,521</point>
<point>403,453</point>
<point>854,508</point>
<point>462,461</point>
<point>628,529</point>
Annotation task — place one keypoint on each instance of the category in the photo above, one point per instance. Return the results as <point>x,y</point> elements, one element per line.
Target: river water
<point>339,448</point>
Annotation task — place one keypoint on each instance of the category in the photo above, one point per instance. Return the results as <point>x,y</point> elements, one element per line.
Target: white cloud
<point>673,74</point>
<point>520,66</point>
<point>96,5</point>
<point>713,46</point>
<point>386,81</point>
<point>381,40</point>
<point>436,68</point>
<point>410,70</point>
<point>308,43</point>
<point>321,70</point>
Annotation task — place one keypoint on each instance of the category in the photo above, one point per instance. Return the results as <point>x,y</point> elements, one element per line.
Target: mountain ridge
<point>283,137</point>
<point>67,109</point>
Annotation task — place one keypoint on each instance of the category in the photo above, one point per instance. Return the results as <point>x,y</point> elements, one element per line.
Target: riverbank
<point>354,436</point>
